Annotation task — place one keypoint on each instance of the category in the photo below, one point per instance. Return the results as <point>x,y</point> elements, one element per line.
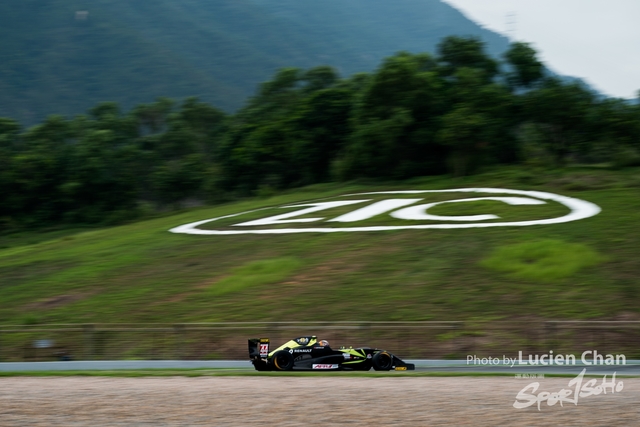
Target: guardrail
<point>220,341</point>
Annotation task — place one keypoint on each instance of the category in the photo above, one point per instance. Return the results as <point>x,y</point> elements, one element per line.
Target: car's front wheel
<point>382,361</point>
<point>282,361</point>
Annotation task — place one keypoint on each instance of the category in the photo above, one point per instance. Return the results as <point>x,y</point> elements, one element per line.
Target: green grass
<point>542,260</point>
<point>256,273</point>
<point>141,273</point>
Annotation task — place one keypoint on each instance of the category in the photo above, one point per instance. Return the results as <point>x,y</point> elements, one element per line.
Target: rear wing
<point>258,348</point>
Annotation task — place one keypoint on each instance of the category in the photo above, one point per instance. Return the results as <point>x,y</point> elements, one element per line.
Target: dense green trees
<point>394,121</point>
<point>526,69</point>
<point>289,133</point>
<point>561,113</point>
<point>417,114</point>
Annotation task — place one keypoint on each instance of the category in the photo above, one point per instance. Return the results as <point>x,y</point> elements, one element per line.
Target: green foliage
<point>626,157</point>
<point>526,68</point>
<point>561,113</point>
<point>254,274</point>
<point>373,148</point>
<point>456,52</point>
<point>394,121</point>
<point>462,130</point>
<point>30,319</point>
<point>289,133</point>
<point>416,115</point>
<point>543,260</point>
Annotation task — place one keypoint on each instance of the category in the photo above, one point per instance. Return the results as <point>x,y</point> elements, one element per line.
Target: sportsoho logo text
<point>399,208</point>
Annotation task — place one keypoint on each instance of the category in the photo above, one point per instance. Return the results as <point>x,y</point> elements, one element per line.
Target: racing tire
<point>282,361</point>
<point>382,361</point>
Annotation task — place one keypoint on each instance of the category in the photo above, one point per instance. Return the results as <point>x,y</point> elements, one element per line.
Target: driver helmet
<point>324,343</point>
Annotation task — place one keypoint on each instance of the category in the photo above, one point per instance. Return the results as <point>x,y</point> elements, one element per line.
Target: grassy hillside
<point>142,273</point>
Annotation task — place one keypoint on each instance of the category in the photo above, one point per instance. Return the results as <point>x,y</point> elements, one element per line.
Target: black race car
<point>309,353</point>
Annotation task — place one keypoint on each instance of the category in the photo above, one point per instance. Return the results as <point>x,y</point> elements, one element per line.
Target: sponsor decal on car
<point>264,350</point>
<point>408,211</point>
<point>324,366</point>
<point>302,350</point>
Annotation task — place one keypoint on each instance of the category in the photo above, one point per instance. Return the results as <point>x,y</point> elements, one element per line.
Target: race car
<point>309,354</point>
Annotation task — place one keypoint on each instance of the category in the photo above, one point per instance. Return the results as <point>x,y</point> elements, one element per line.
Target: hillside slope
<point>143,273</point>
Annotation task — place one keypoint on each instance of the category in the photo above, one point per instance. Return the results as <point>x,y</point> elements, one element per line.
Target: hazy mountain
<point>64,56</point>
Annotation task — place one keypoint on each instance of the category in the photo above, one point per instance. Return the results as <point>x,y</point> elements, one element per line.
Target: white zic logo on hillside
<point>404,209</point>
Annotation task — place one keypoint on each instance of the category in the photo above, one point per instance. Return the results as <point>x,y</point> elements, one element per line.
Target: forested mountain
<point>65,56</point>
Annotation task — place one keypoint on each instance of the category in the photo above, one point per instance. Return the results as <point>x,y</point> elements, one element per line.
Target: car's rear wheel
<point>382,361</point>
<point>282,361</point>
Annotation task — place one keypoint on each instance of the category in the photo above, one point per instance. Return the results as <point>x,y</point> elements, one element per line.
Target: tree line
<point>416,115</point>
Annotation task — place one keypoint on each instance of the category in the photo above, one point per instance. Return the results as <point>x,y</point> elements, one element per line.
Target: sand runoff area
<point>295,401</point>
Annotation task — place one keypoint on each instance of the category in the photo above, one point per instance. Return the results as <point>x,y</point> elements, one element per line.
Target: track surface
<point>632,368</point>
<point>294,401</point>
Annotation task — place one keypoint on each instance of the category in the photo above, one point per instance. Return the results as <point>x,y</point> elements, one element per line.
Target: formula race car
<point>309,353</point>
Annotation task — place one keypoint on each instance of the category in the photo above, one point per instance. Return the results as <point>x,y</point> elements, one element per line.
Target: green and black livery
<point>308,354</point>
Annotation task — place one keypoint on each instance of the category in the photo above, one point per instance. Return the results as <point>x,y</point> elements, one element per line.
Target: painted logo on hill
<point>402,210</point>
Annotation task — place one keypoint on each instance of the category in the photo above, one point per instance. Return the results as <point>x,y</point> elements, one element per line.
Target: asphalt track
<point>631,368</point>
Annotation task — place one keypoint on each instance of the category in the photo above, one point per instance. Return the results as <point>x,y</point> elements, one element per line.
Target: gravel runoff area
<point>294,401</point>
